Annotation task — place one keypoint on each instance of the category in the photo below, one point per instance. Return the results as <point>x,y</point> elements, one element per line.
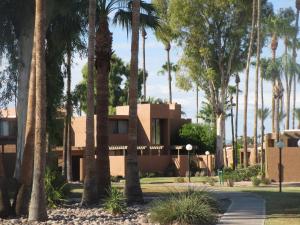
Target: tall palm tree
<point>278,93</point>
<point>133,189</point>
<point>231,91</point>
<point>168,68</point>
<point>253,155</point>
<point>90,185</point>
<point>144,37</point>
<point>246,83</point>
<point>237,82</point>
<point>37,208</point>
<point>123,16</point>
<point>263,114</point>
<point>294,59</point>
<point>165,34</point>
<point>23,194</point>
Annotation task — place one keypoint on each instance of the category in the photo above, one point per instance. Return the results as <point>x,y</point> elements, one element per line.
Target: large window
<point>119,126</point>
<point>156,132</point>
<point>8,128</point>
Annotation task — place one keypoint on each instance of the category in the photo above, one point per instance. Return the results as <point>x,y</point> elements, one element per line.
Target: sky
<point>157,85</point>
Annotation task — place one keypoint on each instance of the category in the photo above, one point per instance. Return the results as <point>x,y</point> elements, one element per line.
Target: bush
<point>171,170</point>
<point>192,207</point>
<point>255,181</point>
<point>179,180</point>
<point>115,179</point>
<point>115,202</point>
<point>56,188</point>
<point>266,181</point>
<point>211,181</point>
<point>241,174</point>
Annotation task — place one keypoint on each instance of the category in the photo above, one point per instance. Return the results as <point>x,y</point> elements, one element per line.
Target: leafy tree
<point>202,135</point>
<point>118,86</point>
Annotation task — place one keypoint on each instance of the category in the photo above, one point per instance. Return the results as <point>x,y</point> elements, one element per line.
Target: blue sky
<point>157,84</point>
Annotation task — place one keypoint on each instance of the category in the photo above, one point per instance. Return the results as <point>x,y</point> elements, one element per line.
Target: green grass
<point>159,180</point>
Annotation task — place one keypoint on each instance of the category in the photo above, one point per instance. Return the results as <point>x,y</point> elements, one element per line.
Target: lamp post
<point>280,145</point>
<point>189,148</point>
<point>207,154</point>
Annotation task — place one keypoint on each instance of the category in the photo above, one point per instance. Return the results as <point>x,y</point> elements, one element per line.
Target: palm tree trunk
<point>246,84</point>
<point>274,45</point>
<point>287,88</point>
<point>144,35</point>
<point>232,132</point>
<point>253,158</point>
<point>24,191</point>
<point>103,57</point>
<point>168,48</point>
<point>90,183</point>
<point>237,81</point>
<point>37,208</point>
<point>294,58</point>
<point>69,112</point>
<point>133,189</point>
<point>262,120</point>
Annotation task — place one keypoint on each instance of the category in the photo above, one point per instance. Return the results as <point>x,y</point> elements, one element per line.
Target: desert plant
<point>255,181</point>
<point>115,202</point>
<point>56,187</point>
<point>191,207</point>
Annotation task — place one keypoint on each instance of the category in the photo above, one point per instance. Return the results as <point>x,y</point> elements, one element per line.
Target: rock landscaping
<point>76,215</point>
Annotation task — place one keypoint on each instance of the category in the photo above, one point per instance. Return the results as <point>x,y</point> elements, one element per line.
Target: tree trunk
<point>168,48</point>
<point>237,81</point>
<point>24,191</point>
<point>253,158</point>
<point>197,103</point>
<point>144,35</point>
<point>287,88</point>
<point>103,57</point>
<point>133,189</point>
<point>68,119</point>
<point>245,144</point>
<point>232,132</point>
<point>274,46</point>
<point>5,209</point>
<point>37,208</point>
<point>294,59</point>
<point>219,142</point>
<point>262,121</point>
<point>26,45</point>
<point>90,183</point>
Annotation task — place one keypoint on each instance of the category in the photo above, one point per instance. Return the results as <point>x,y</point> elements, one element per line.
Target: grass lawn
<point>281,208</point>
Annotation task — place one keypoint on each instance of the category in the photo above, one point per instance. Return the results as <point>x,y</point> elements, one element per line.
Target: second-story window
<point>120,127</point>
<point>156,132</point>
<point>8,128</point>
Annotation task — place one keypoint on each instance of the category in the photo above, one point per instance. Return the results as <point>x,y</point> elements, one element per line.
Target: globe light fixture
<point>207,170</point>
<point>189,148</point>
<point>280,145</point>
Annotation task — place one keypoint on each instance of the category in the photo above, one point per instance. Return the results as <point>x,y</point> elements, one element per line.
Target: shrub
<point>211,181</point>
<point>115,179</point>
<point>185,208</point>
<point>179,180</point>
<point>56,187</point>
<point>266,181</point>
<point>255,181</point>
<point>115,202</point>
<point>171,170</point>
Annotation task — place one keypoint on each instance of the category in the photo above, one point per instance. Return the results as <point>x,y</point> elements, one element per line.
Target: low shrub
<point>56,187</point>
<point>115,202</point>
<point>255,181</point>
<point>211,181</point>
<point>179,180</point>
<point>266,181</point>
<point>192,207</point>
<point>115,179</point>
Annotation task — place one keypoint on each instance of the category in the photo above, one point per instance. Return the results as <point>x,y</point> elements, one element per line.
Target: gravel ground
<point>74,215</point>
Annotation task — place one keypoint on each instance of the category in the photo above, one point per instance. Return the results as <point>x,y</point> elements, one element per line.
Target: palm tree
<point>231,91</point>
<point>237,81</point>
<point>168,68</point>
<point>133,189</point>
<point>123,16</point>
<point>297,114</point>
<point>24,191</point>
<point>247,81</point>
<point>287,29</point>
<point>294,59</point>
<point>90,184</point>
<point>165,34</point>
<point>253,156</point>
<point>144,36</point>
<point>278,93</point>
<point>263,114</point>
<point>37,208</point>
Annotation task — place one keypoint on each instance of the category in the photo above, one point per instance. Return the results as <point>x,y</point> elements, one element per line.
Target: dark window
<point>119,126</point>
<point>293,142</point>
<point>156,131</point>
<point>271,143</point>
